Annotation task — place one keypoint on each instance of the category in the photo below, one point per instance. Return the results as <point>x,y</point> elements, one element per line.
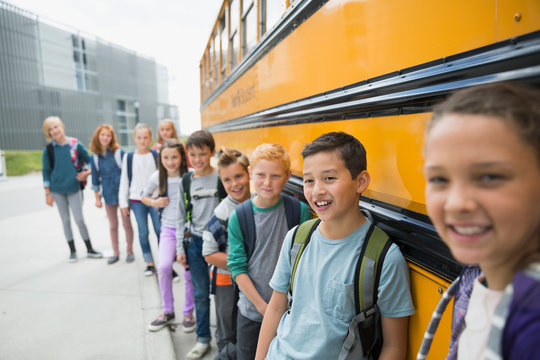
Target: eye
<point>329,178</point>
<point>437,180</point>
<point>308,181</point>
<point>490,178</point>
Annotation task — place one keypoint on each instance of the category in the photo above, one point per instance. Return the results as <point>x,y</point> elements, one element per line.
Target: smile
<point>322,203</point>
<point>470,230</point>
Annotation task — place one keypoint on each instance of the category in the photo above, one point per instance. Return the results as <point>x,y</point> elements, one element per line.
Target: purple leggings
<point>167,255</point>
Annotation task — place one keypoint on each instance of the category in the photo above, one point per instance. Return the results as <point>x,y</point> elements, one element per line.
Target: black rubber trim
<point>408,91</point>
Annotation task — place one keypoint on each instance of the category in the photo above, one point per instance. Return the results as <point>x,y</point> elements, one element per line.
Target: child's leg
<point>155,221</point>
<point>61,201</point>
<point>201,286</point>
<point>128,228</point>
<point>113,226</point>
<point>225,315</point>
<point>189,303</point>
<point>167,253</point>
<point>247,336</point>
<point>141,215</point>
<point>75,203</point>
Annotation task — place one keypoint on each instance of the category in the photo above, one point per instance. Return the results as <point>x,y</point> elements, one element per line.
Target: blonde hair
<point>166,121</point>
<point>271,152</point>
<point>95,145</point>
<point>141,126</point>
<point>47,124</point>
<point>230,156</point>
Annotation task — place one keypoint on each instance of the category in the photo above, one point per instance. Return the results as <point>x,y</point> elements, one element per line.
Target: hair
<point>271,152</point>
<point>229,156</point>
<point>518,105</point>
<point>141,126</point>
<point>166,121</point>
<point>47,124</point>
<point>201,138</point>
<point>349,148</point>
<point>95,145</point>
<point>170,144</point>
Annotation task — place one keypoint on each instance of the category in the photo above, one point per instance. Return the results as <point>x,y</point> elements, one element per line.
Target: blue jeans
<point>141,212</point>
<point>201,288</point>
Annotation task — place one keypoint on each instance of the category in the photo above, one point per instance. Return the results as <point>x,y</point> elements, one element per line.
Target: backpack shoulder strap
<point>118,157</point>
<point>186,187</point>
<point>95,159</point>
<point>301,238</point>
<point>222,194</point>
<point>155,154</point>
<point>292,210</point>
<point>246,220</point>
<point>130,166</point>
<point>50,154</point>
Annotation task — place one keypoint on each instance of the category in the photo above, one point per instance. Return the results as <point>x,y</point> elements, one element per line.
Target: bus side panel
<point>426,290</point>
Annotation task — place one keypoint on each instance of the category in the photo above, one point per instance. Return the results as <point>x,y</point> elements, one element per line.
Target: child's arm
<point>218,259</point>
<point>275,310</point>
<point>394,337</point>
<point>123,191</point>
<point>246,286</point>
<point>98,199</point>
<point>149,189</point>
<point>85,158</point>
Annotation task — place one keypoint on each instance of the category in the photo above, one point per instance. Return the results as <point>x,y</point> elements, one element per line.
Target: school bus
<point>286,71</point>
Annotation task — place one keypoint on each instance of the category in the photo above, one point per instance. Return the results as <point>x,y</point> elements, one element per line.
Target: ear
<point>363,180</point>
<point>249,173</point>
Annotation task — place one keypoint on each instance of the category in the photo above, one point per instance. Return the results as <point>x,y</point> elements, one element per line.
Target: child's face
<point>330,189</point>
<point>200,158</point>
<point>56,131</point>
<point>235,179</point>
<point>105,137</point>
<point>166,131</point>
<point>142,139</point>
<point>482,190</point>
<point>171,160</point>
<point>269,178</point>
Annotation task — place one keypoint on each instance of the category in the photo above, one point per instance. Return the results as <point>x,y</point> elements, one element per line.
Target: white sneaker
<point>198,351</point>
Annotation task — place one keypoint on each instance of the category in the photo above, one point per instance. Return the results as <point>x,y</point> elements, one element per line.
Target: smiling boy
<point>323,304</point>
<point>252,265</point>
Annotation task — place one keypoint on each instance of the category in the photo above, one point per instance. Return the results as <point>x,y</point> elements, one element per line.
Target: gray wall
<point>47,71</point>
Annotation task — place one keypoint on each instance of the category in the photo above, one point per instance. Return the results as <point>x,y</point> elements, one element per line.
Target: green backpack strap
<point>186,186</point>
<point>301,237</point>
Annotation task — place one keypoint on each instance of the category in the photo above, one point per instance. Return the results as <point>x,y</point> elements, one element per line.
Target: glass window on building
<point>249,26</point>
<point>234,16</point>
<point>127,116</point>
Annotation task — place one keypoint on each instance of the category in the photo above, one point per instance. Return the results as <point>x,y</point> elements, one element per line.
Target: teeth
<point>469,230</point>
<point>322,203</point>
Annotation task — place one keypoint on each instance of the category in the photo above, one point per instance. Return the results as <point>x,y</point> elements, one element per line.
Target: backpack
<point>130,163</point>
<point>246,220</point>
<point>73,152</point>
<point>117,158</point>
<point>364,338</point>
<point>186,186</point>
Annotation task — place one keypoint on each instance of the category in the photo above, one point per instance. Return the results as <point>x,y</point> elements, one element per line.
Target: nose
<point>319,188</point>
<point>460,199</point>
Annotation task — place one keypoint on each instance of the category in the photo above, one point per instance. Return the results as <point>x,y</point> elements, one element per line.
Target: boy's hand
<point>124,211</point>
<point>49,200</point>
<point>160,202</point>
<point>181,258</point>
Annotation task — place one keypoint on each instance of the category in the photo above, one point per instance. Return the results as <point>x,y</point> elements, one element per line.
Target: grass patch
<point>22,162</point>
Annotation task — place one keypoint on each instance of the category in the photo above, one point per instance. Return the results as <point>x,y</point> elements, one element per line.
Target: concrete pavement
<point>53,309</point>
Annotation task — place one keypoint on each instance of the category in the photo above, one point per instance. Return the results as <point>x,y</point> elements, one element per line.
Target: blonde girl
<point>63,170</point>
<point>482,166</point>
<point>171,166</point>
<point>106,171</point>
<point>166,130</point>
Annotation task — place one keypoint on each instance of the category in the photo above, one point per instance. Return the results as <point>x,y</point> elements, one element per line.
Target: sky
<point>173,32</point>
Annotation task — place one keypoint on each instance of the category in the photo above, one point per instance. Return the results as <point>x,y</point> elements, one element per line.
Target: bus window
<point>249,26</point>
<point>215,57</point>
<point>271,11</point>
<point>223,37</point>
<point>234,16</point>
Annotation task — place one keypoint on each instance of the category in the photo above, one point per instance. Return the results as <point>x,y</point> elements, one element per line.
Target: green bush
<point>22,162</point>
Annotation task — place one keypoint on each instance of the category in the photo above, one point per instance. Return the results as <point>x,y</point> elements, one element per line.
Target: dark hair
<point>516,104</point>
<point>170,144</point>
<point>201,138</point>
<point>351,150</point>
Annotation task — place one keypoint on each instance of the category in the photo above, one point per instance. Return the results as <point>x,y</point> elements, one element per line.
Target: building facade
<point>50,70</point>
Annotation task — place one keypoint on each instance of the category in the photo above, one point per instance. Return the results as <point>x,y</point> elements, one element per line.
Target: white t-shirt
<point>142,168</point>
<point>473,340</point>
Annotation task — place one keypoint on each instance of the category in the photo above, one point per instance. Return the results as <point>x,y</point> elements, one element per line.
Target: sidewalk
<point>53,309</point>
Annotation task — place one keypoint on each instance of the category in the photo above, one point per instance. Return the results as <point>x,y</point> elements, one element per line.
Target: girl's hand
<point>181,258</point>
<point>49,200</point>
<point>98,203</point>
<point>160,202</point>
<point>124,211</point>
<point>81,176</point>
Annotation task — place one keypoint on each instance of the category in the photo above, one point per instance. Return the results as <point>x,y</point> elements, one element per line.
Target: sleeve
<point>282,273</point>
<point>123,190</point>
<point>46,169</point>
<point>152,185</point>
<point>394,297</point>
<point>181,221</point>
<point>210,245</point>
<point>95,175</point>
<point>305,215</point>
<point>237,258</point>
<point>83,153</point>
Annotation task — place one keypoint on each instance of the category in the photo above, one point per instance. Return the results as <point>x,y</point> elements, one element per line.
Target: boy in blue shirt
<point>323,305</point>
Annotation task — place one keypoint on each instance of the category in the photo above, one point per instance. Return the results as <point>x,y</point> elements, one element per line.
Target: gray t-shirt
<point>204,199</point>
<point>169,215</point>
